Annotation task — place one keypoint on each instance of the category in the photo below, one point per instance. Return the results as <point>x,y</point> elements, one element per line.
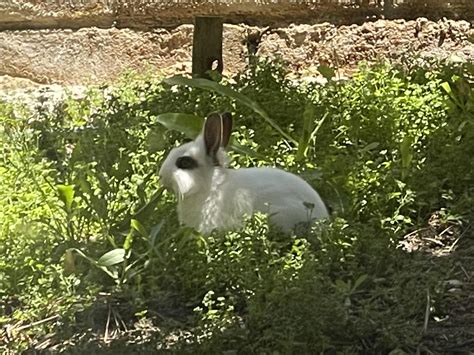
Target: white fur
<point>215,197</point>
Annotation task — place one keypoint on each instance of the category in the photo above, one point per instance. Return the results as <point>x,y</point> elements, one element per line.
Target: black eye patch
<point>186,163</point>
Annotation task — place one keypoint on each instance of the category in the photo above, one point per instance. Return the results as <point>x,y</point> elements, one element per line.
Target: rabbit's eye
<point>186,163</point>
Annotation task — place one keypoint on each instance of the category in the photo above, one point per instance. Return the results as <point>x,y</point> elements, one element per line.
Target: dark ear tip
<point>227,116</point>
<point>212,115</point>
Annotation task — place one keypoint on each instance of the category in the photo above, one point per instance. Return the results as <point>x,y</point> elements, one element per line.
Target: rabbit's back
<point>286,197</point>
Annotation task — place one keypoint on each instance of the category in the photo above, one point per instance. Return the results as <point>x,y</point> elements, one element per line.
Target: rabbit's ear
<point>217,130</point>
<point>226,128</point>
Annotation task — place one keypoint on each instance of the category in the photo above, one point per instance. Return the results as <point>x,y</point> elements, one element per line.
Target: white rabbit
<point>211,196</point>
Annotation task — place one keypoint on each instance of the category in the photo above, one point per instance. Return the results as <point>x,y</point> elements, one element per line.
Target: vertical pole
<point>388,8</point>
<point>207,45</point>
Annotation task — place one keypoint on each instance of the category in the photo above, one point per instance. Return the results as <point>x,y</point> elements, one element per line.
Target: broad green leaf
<point>359,281</point>
<point>111,273</point>
<point>66,194</point>
<point>113,257</point>
<point>189,125</point>
<point>226,91</point>
<point>327,71</point>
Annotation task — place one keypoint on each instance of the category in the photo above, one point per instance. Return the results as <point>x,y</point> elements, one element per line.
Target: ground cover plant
<point>93,258</point>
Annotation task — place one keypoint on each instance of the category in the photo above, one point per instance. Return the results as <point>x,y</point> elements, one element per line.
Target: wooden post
<point>388,9</point>
<point>207,45</point>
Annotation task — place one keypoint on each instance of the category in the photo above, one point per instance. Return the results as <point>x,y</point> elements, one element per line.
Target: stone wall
<point>94,55</point>
<point>147,14</point>
<point>91,41</point>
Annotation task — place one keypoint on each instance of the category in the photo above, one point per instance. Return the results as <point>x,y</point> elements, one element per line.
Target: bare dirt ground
<point>450,247</point>
<point>94,55</point>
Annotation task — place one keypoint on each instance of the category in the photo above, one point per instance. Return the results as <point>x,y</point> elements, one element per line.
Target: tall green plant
<point>224,90</point>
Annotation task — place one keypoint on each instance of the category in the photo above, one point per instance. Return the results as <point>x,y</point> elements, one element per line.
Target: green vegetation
<point>93,256</point>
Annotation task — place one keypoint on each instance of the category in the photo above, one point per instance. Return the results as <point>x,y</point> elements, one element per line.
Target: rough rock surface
<point>93,55</point>
<point>343,47</point>
<point>148,14</point>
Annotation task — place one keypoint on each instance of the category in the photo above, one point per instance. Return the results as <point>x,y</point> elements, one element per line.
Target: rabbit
<point>214,197</point>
